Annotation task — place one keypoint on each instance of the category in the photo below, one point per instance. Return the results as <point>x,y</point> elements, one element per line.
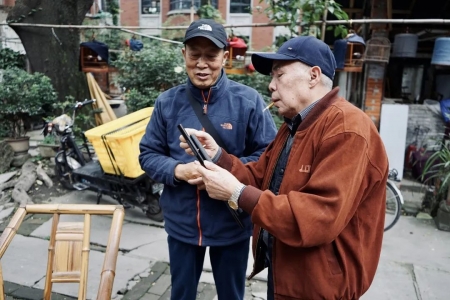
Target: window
<point>240,6</point>
<point>150,7</point>
<point>186,4</point>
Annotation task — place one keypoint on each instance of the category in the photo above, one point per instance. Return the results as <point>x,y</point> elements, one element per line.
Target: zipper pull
<point>205,108</point>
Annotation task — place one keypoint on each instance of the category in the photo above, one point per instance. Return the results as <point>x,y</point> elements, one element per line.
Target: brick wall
<point>374,92</point>
<point>223,8</point>
<point>165,5</point>
<point>129,15</point>
<point>262,37</point>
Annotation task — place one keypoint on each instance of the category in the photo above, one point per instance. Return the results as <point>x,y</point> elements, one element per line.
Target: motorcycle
<point>77,168</point>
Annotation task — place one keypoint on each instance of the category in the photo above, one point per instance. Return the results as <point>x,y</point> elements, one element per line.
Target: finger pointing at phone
<point>219,183</point>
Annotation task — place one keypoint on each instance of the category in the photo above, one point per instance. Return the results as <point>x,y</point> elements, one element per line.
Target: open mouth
<point>202,75</point>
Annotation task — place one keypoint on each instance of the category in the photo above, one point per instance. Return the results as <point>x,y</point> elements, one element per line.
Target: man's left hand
<point>219,183</point>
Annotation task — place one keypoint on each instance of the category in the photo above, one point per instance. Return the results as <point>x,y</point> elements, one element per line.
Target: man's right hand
<point>204,138</point>
<point>186,172</point>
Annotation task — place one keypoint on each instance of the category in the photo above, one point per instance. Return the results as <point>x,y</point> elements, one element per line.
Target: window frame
<point>243,7</point>
<point>158,7</point>
<point>186,4</point>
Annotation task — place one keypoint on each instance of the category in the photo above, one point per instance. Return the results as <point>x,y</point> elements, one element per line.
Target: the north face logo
<point>205,27</point>
<point>227,126</point>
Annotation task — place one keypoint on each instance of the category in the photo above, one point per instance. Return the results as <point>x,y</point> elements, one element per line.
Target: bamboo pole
<point>2,289</point>
<point>324,19</point>
<point>269,24</point>
<point>82,287</point>
<point>112,250</point>
<point>150,36</point>
<point>10,231</point>
<point>51,258</point>
<point>71,209</point>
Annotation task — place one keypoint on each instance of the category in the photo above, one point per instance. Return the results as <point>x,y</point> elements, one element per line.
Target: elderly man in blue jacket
<point>194,221</point>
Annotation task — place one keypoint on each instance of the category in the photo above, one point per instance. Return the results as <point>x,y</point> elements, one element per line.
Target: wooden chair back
<point>69,246</point>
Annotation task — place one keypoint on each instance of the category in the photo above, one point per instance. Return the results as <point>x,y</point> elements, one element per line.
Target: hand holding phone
<point>195,146</point>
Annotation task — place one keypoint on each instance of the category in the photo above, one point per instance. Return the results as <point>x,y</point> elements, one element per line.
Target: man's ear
<point>315,75</point>
<point>226,54</point>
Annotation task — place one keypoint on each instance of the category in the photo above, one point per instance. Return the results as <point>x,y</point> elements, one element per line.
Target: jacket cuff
<point>249,198</point>
<point>225,160</point>
<point>217,156</point>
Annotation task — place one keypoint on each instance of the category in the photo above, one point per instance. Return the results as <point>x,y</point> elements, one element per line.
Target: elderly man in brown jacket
<point>317,194</point>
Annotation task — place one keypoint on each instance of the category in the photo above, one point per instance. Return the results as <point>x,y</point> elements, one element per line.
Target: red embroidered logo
<point>227,126</point>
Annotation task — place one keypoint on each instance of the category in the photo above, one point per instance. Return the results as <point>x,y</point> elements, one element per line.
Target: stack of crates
<point>116,143</point>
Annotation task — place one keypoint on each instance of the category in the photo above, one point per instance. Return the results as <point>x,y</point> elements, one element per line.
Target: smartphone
<point>195,145</point>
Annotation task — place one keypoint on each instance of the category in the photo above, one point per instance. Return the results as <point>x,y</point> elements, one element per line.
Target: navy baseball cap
<point>307,49</point>
<point>209,29</point>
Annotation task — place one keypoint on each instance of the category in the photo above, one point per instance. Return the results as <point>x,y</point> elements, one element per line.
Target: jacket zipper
<point>258,249</point>
<point>200,234</point>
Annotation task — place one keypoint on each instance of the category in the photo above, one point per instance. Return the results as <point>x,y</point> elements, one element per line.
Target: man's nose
<point>201,62</point>
<point>272,86</point>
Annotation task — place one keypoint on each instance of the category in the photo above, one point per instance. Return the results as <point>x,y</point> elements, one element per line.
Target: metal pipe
<point>332,22</point>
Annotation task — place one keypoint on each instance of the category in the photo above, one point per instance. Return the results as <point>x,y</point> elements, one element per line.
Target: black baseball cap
<point>307,49</point>
<point>209,29</point>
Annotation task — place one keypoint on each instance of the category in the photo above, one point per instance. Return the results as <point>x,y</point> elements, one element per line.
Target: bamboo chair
<point>69,246</point>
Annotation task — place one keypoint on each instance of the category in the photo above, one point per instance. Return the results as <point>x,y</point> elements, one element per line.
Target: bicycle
<point>394,201</point>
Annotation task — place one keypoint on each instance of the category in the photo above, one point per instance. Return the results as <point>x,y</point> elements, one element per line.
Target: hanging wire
<point>56,37</point>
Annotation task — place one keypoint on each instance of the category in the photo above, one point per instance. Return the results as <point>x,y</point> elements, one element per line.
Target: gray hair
<point>326,81</point>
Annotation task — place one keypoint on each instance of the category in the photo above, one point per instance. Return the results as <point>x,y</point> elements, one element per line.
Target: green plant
<point>147,73</point>
<point>23,95</point>
<point>309,12</point>
<point>260,83</point>
<point>207,11</point>
<point>437,172</point>
<point>175,34</point>
<point>11,59</point>
<point>137,100</point>
<point>114,8</point>
<point>49,140</point>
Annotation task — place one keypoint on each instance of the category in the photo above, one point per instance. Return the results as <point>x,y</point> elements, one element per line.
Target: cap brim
<point>216,42</point>
<point>263,62</point>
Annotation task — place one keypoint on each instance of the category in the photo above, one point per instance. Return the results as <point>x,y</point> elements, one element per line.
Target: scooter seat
<point>91,169</point>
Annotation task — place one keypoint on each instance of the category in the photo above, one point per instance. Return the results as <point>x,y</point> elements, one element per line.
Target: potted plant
<point>48,146</point>
<point>437,172</point>
<point>22,95</point>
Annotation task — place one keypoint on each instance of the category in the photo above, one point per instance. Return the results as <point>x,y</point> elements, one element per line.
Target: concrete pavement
<point>415,260</point>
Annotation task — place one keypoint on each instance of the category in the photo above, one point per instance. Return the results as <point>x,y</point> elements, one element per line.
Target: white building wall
<point>8,37</point>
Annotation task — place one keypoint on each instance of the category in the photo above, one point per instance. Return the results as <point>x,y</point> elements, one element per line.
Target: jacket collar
<point>319,108</point>
<point>217,90</point>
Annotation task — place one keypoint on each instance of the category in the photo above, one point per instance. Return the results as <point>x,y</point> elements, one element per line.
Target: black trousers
<point>229,265</point>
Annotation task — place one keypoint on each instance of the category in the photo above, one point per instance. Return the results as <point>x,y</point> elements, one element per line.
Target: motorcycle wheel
<point>154,210</point>
<point>61,169</point>
<point>65,182</point>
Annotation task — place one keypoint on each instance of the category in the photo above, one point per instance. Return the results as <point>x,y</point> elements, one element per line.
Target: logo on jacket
<point>305,169</point>
<point>205,27</point>
<point>227,126</point>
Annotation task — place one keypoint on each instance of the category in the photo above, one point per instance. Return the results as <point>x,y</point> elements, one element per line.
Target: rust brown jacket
<point>328,218</point>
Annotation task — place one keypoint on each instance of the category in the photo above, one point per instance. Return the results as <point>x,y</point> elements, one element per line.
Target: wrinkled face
<point>290,87</point>
<point>204,61</point>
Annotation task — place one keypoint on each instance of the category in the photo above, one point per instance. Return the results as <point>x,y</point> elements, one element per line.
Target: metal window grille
<point>186,4</point>
<point>240,6</point>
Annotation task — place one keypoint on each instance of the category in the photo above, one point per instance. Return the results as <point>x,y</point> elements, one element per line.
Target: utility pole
<point>192,11</point>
